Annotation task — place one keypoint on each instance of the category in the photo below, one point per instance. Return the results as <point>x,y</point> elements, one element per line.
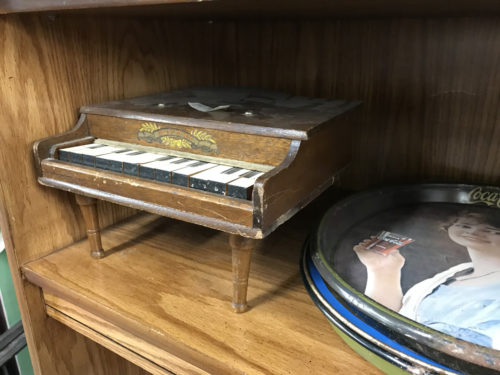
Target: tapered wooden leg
<point>88,206</point>
<point>242,252</point>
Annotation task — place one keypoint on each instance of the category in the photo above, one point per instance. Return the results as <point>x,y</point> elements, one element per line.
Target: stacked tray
<point>410,277</point>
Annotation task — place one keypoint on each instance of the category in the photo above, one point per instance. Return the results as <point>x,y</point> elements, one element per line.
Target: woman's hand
<point>383,282</point>
<point>375,262</point>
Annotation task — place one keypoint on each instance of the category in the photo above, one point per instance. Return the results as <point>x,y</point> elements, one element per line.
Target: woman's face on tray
<point>471,232</point>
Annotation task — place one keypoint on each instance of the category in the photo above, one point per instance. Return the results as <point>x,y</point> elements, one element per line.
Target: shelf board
<point>252,8</point>
<point>161,298</point>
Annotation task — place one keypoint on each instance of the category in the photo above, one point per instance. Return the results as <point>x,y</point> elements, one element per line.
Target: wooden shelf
<point>253,8</point>
<point>161,299</point>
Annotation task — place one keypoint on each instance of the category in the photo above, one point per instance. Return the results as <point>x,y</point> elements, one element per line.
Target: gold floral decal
<point>177,138</point>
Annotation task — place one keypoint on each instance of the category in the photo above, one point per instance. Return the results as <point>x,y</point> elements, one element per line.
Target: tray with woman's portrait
<point>421,264</point>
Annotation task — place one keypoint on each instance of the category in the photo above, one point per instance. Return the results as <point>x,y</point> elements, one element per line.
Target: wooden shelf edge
<point>257,9</point>
<point>189,355</point>
<point>25,6</point>
<point>105,341</point>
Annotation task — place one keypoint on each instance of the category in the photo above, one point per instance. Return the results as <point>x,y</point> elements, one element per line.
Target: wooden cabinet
<point>428,78</point>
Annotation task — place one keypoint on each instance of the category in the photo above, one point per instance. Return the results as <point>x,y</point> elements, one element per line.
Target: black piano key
<point>180,161</point>
<point>165,158</point>
<point>232,170</point>
<point>250,174</point>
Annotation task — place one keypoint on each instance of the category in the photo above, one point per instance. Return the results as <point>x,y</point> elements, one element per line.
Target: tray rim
<point>348,321</point>
<point>453,346</point>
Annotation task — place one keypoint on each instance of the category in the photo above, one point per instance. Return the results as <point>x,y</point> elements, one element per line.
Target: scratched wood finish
<point>236,146</point>
<point>314,163</point>
<point>185,308</point>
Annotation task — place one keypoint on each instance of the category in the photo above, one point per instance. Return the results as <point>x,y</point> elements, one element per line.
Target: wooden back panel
<point>423,118</point>
<point>210,142</point>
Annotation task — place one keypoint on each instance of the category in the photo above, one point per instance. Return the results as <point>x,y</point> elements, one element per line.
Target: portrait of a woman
<point>463,300</point>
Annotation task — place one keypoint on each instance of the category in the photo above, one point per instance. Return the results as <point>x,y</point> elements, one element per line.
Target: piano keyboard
<point>207,176</point>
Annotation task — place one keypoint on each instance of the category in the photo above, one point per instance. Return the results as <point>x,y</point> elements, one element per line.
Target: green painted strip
<point>12,310</point>
<point>374,359</point>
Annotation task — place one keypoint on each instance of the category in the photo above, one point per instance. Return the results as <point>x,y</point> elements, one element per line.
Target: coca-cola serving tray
<point>421,264</point>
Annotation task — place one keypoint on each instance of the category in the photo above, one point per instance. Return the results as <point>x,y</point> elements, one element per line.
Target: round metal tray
<point>422,213</point>
<point>382,351</point>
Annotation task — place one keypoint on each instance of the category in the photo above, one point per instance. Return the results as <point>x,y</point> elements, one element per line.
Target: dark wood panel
<point>257,8</point>
<point>429,88</point>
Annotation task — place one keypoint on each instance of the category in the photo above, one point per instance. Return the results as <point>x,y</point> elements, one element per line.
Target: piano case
<point>296,144</point>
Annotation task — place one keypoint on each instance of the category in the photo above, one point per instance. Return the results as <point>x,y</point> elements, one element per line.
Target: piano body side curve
<point>43,148</point>
<point>309,169</point>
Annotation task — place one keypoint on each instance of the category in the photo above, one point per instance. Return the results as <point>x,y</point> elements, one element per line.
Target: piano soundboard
<point>242,161</point>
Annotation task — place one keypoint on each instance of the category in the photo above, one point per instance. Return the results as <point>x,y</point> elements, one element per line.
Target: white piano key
<point>112,161</point>
<point>148,170</point>
<point>181,176</point>
<point>215,179</point>
<point>133,160</point>
<point>163,168</point>
<point>85,154</point>
<point>241,187</point>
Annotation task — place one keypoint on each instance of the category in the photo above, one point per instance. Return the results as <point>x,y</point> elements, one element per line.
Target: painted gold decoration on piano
<point>195,139</point>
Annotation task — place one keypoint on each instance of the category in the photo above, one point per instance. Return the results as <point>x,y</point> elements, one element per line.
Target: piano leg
<point>242,252</point>
<point>88,206</point>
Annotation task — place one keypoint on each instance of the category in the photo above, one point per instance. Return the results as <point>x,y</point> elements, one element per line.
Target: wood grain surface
<point>49,68</point>
<point>150,195</point>
<point>253,8</point>
<point>54,309</point>
<point>229,145</point>
<point>430,88</point>
<point>167,284</point>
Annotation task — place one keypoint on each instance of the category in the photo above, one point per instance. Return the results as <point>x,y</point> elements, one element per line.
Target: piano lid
<point>251,111</point>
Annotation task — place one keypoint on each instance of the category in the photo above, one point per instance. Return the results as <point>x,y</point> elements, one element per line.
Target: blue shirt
<point>470,313</point>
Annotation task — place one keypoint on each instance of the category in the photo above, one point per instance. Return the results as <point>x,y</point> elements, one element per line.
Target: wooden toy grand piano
<point>236,160</point>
